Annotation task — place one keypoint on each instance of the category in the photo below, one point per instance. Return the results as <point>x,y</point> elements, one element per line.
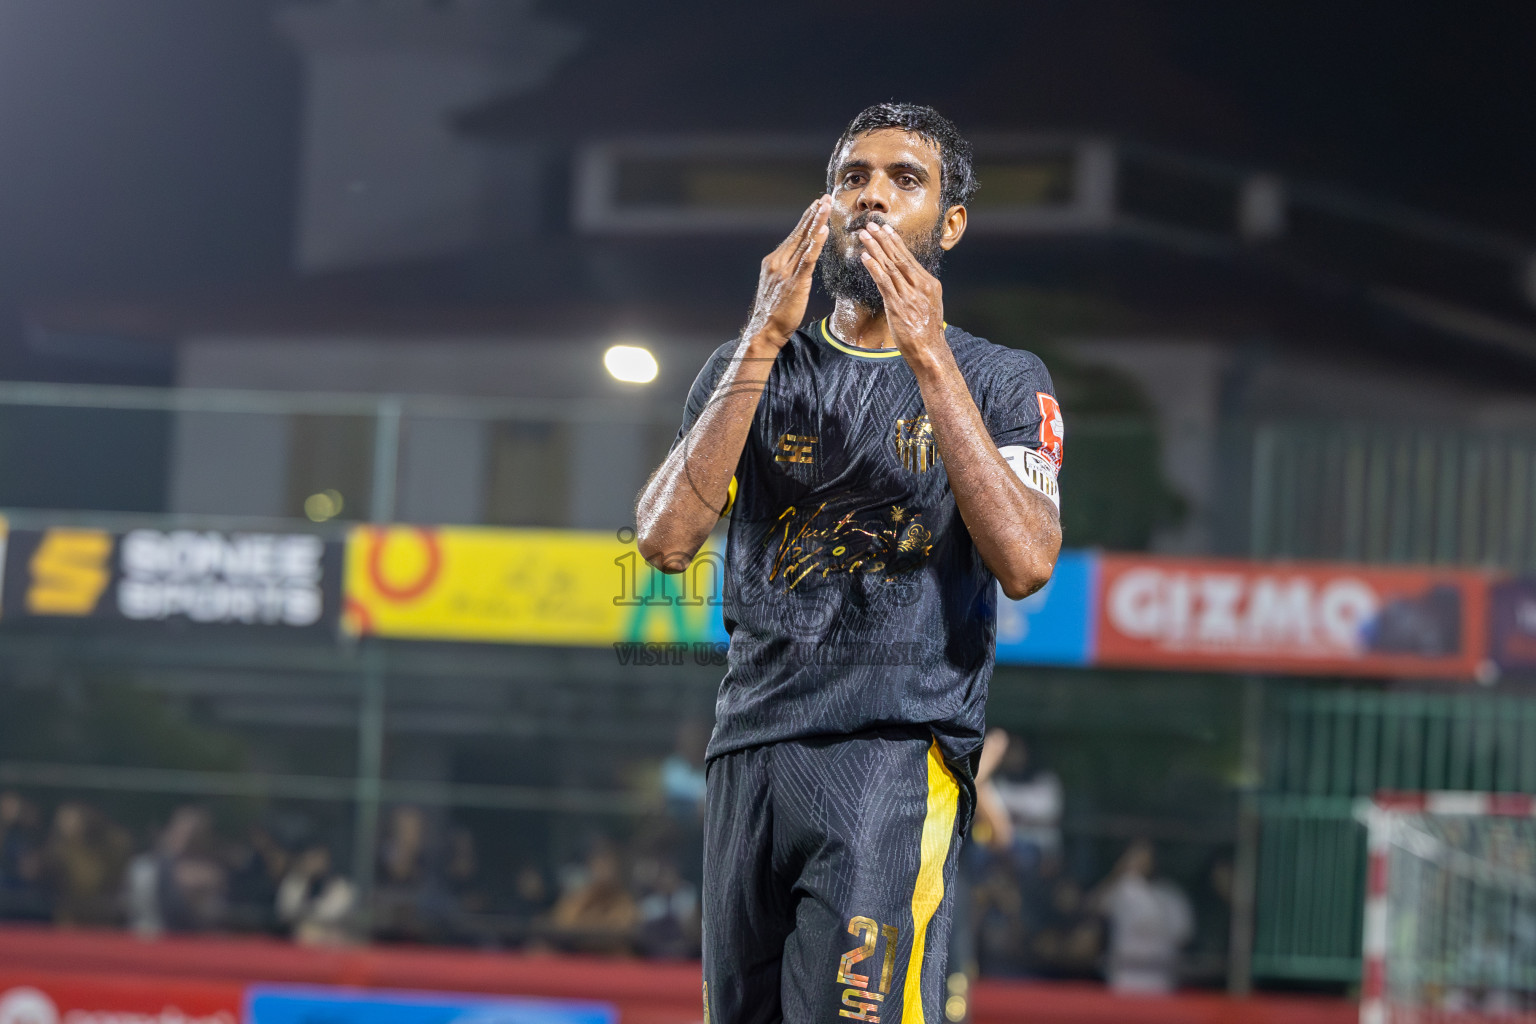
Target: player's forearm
<point>1016,531</point>
<point>685,498</point>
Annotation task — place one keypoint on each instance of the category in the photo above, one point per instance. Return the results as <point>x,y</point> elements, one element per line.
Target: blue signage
<point>299,1004</point>
<point>1054,625</point>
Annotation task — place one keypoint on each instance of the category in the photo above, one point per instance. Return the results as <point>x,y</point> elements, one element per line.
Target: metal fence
<point>1324,749</point>
<point>535,750</point>
<point>1376,493</point>
<point>375,457</point>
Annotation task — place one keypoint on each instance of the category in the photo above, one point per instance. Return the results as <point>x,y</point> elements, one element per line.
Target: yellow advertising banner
<point>523,586</point>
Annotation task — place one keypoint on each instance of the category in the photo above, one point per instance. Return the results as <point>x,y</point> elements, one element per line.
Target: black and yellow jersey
<point>854,596</point>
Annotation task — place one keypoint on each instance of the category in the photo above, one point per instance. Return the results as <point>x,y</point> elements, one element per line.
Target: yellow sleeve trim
<point>730,499</point>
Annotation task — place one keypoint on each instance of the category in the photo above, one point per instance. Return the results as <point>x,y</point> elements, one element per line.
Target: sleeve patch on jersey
<point>1034,469</point>
<point>1053,430</point>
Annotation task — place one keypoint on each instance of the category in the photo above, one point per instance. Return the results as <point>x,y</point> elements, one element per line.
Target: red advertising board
<point>1307,618</point>
<point>45,997</point>
<point>103,977</point>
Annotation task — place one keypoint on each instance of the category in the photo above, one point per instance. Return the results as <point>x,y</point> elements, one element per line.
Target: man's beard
<point>844,275</point>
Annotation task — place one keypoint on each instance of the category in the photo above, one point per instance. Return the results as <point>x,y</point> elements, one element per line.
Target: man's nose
<point>873,198</point>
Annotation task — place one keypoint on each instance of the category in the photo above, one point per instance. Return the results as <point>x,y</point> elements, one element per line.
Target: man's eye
<point>854,179</point>
<point>907,181</point>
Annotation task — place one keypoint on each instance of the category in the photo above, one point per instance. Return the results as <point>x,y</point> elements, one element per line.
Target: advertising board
<point>524,586</point>
<point>290,581</point>
<point>1306,618</point>
<point>41,997</point>
<point>1512,640</point>
<point>306,1004</point>
<point>1053,626</point>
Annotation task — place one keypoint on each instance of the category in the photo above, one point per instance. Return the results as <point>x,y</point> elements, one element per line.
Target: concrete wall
<point>242,464</point>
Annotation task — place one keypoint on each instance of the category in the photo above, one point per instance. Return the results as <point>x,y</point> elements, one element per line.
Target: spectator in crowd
<point>21,893</point>
<point>597,915</point>
<point>463,871</point>
<point>1033,799</point>
<point>195,885</point>
<point>1000,898</point>
<point>1150,920</point>
<point>411,899</point>
<point>82,865</point>
<point>991,831</point>
<point>179,885</point>
<point>142,898</point>
<point>682,785</point>
<point>993,825</point>
<point>998,919</point>
<point>403,854</point>
<point>319,905</point>
<point>1067,936</point>
<point>256,868</point>
<point>682,771</point>
<point>667,912</point>
<point>1213,920</point>
<point>529,903</point>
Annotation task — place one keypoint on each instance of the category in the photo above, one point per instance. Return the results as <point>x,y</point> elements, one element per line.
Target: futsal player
<point>885,472</point>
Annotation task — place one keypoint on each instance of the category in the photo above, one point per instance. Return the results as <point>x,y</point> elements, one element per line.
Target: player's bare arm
<point>685,498</point>
<point>1016,529</point>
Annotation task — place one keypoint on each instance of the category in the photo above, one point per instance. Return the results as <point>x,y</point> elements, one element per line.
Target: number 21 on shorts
<point>862,1001</point>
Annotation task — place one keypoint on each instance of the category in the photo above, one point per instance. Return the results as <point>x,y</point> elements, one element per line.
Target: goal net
<point>1450,914</point>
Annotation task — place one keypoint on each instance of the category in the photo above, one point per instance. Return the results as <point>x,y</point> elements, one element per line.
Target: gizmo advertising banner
<point>1294,618</point>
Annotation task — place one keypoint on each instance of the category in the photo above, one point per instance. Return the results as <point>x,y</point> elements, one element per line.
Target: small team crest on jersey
<point>1053,431</point>
<point>914,444</point>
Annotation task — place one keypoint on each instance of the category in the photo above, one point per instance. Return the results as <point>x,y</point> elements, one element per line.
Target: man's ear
<point>954,228</point>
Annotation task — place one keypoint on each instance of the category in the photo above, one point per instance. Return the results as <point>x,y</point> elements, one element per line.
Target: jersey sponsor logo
<point>797,448</point>
<point>914,444</point>
<point>1053,430</point>
<point>1037,471</point>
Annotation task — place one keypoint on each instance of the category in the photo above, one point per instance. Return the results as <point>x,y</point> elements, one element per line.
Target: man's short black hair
<point>957,184</point>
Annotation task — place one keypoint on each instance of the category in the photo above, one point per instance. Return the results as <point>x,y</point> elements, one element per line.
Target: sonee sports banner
<point>287,581</point>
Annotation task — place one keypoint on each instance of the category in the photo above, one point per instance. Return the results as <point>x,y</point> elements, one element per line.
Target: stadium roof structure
<point>1157,242</point>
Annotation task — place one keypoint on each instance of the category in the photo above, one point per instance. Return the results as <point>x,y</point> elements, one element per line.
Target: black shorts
<point>829,869</point>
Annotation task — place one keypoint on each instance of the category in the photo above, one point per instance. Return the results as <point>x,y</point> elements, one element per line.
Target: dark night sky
<point>143,143</point>
<point>151,144</point>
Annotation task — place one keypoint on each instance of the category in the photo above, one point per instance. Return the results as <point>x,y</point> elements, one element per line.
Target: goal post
<point>1450,909</point>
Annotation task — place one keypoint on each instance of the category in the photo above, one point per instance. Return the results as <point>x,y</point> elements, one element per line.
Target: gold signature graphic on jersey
<point>915,445</point>
<point>892,543</point>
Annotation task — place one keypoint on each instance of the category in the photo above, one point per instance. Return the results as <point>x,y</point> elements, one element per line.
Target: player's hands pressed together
<point>784,283</point>
<point>914,298</point>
